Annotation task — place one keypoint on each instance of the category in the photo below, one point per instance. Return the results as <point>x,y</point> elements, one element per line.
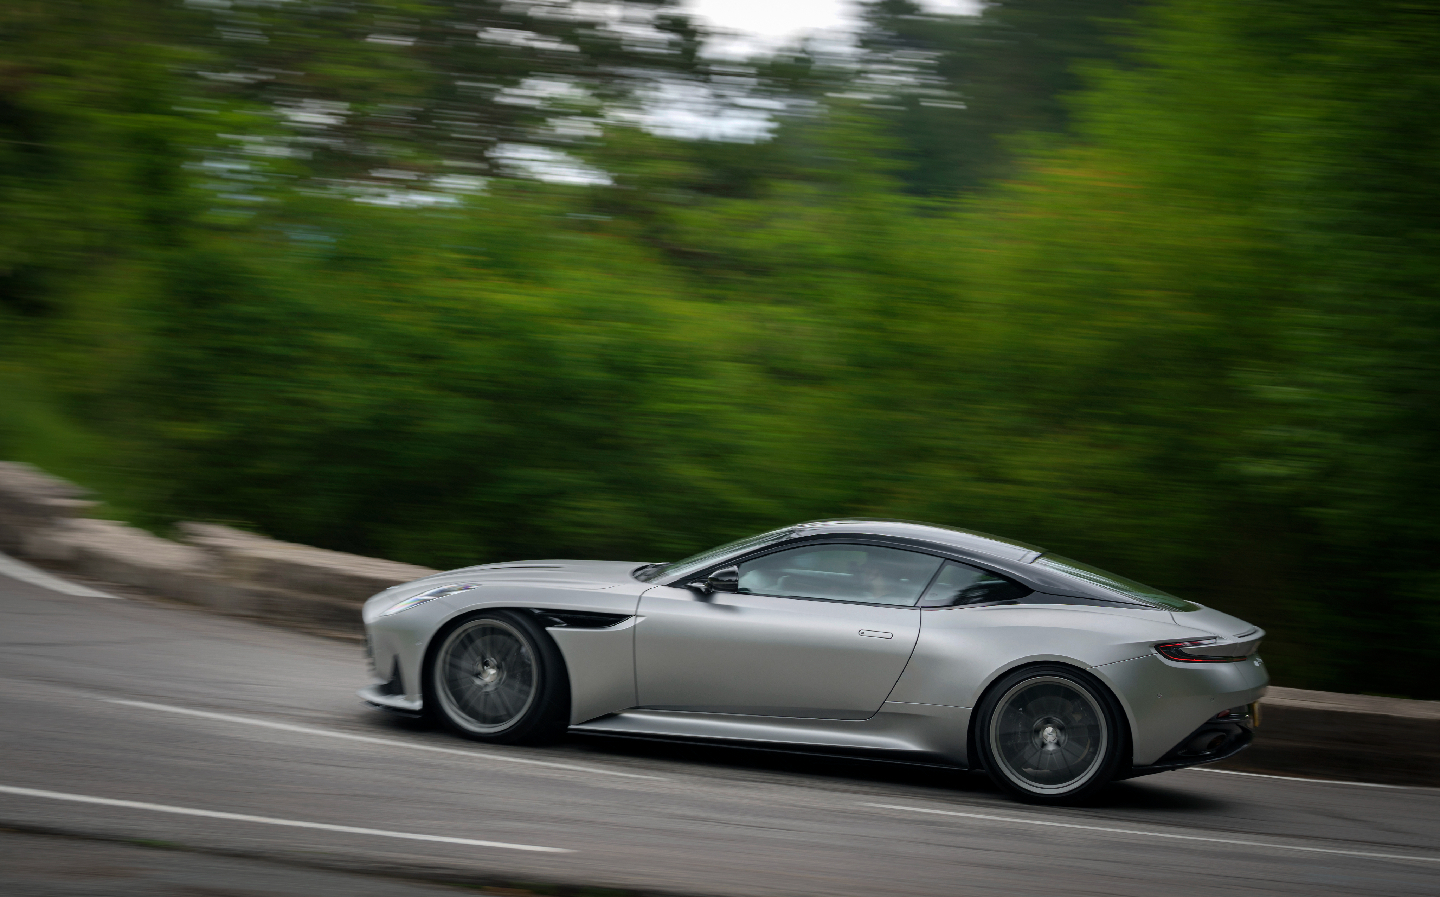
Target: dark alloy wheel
<point>499,677</point>
<point>1050,734</point>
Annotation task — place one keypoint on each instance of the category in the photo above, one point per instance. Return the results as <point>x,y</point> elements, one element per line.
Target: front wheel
<point>499,677</point>
<point>1050,735</point>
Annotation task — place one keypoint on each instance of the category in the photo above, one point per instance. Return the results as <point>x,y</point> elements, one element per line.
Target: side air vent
<point>578,619</point>
<point>394,685</point>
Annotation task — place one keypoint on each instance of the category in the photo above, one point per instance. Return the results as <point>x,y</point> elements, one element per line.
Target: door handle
<point>875,633</point>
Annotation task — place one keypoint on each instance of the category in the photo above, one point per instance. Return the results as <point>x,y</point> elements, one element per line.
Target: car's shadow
<point>1137,794</point>
<point>1153,794</point>
<point>744,762</point>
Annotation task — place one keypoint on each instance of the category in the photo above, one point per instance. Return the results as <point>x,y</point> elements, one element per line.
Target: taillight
<point>1182,651</point>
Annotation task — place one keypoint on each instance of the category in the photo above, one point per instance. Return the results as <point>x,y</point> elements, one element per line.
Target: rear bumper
<point>1237,737</point>
<point>1165,699</point>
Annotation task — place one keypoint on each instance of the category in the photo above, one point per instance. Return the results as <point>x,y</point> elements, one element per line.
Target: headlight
<point>431,595</point>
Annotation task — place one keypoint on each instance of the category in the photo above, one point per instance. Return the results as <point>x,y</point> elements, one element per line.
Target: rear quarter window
<point>1114,582</point>
<point>960,584</point>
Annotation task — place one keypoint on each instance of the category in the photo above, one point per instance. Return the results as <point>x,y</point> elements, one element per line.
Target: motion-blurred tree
<point>412,87</point>
<point>964,88</point>
<point>91,148</point>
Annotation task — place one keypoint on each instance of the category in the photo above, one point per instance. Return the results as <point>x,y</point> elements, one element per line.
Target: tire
<point>498,677</point>
<point>1050,735</point>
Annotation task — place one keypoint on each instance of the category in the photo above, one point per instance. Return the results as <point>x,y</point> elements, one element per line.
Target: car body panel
<point>921,732</point>
<point>961,650</point>
<point>761,655</point>
<point>1166,700</point>
<point>601,666</point>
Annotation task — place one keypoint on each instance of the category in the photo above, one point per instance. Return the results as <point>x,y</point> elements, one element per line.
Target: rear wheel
<point>499,677</point>
<point>1049,734</point>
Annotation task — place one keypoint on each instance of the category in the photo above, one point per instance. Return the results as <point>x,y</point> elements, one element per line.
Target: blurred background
<point>1151,284</point>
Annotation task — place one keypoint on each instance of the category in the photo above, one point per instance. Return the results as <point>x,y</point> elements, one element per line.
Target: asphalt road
<point>151,748</point>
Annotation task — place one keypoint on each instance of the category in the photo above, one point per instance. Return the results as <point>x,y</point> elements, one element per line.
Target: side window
<point>864,573</point>
<point>958,584</point>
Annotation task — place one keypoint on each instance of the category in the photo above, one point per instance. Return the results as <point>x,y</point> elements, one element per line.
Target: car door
<point>821,632</point>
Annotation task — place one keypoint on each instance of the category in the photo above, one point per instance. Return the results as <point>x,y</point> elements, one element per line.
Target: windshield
<point>705,558</point>
<point>1106,579</point>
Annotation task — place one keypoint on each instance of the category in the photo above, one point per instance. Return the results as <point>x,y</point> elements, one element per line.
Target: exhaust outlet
<point>1207,742</point>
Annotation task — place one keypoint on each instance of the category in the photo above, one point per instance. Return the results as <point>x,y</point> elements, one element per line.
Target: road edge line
<point>268,820</point>
<point>371,739</point>
<point>18,569</point>
<point>1173,836</point>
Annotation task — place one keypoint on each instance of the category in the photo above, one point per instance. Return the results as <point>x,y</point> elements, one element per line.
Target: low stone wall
<point>114,552</point>
<point>287,582</point>
<point>31,501</point>
<point>1304,733</point>
<point>218,567</point>
<point>1322,734</point>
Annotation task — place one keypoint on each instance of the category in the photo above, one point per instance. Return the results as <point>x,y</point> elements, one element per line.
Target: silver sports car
<point>871,637</point>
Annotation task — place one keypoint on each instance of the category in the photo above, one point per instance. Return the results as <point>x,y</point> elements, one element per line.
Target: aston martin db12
<point>861,637</point>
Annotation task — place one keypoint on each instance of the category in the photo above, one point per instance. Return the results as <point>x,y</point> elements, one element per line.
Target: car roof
<point>954,537</point>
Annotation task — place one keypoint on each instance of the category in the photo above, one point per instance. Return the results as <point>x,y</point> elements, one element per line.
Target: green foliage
<point>1221,314</point>
<point>1192,337</point>
<point>979,87</point>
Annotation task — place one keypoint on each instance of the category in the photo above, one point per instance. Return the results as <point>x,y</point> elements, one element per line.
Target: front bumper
<point>395,649</point>
<point>389,694</point>
<point>379,696</point>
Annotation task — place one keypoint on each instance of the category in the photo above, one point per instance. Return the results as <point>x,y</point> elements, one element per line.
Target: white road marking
<point>268,820</point>
<point>37,577</point>
<point>369,739</point>
<point>1126,831</point>
<point>1261,775</point>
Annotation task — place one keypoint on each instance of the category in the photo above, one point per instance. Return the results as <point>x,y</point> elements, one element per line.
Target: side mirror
<point>726,579</point>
